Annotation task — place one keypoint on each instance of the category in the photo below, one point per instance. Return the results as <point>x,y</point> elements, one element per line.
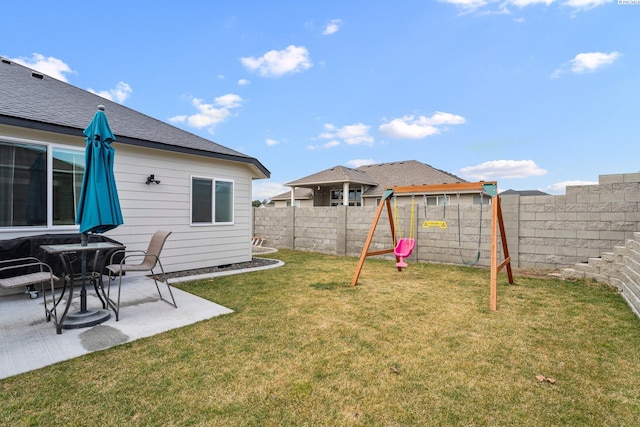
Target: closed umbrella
<point>98,206</point>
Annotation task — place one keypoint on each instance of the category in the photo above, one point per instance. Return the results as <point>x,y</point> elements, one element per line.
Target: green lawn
<point>417,347</point>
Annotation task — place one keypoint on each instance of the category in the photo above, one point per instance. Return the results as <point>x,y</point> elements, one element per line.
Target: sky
<point>533,94</point>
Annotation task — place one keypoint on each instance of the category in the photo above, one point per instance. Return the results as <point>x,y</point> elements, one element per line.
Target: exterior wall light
<point>151,178</point>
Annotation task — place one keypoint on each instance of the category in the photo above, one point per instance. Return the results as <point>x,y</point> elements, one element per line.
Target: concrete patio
<point>28,342</point>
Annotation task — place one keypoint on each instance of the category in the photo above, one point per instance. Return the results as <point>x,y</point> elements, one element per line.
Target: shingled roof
<point>298,194</point>
<point>408,172</point>
<point>379,176</point>
<point>33,100</point>
<point>335,175</point>
<point>524,192</point>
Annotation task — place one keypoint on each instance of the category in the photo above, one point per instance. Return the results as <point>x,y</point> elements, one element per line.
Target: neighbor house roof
<point>337,174</point>
<point>33,100</point>
<point>298,194</point>
<point>409,172</point>
<point>524,192</point>
<point>379,176</point>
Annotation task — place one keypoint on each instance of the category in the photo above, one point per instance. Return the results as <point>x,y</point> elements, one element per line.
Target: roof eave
<point>337,181</point>
<point>260,169</point>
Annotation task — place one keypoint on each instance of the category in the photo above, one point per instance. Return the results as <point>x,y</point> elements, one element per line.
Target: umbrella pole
<point>84,238</point>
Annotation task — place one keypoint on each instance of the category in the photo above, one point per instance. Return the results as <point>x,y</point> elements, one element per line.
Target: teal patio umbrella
<point>99,206</point>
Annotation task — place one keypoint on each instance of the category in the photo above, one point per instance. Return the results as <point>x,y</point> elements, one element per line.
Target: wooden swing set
<point>404,246</point>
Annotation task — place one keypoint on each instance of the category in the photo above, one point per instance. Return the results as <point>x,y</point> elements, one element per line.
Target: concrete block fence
<point>546,232</point>
<point>619,268</point>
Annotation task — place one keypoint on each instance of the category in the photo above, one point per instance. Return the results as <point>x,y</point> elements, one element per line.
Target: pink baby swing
<point>404,245</point>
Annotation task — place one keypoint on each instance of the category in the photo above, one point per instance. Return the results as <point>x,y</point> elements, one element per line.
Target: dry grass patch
<point>303,347</point>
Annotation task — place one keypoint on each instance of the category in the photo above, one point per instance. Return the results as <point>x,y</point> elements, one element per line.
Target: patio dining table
<point>84,317</point>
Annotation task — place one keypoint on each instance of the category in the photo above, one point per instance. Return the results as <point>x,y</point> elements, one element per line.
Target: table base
<point>85,319</point>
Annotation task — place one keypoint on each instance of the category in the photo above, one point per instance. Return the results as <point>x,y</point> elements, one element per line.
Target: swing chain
<point>474,262</point>
<point>397,219</point>
<point>432,223</point>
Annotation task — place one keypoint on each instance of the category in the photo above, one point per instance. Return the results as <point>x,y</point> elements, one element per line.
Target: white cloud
<point>276,63</point>
<point>119,94</point>
<point>525,3</point>
<point>332,27</point>
<point>210,115</point>
<point>331,144</point>
<point>230,100</point>
<point>410,127</point>
<point>52,67</point>
<point>503,169</point>
<point>503,7</point>
<point>587,63</point>
<point>467,5</point>
<point>328,144</point>
<point>561,187</point>
<point>243,82</point>
<point>351,134</point>
<point>585,4</point>
<point>355,163</point>
<point>270,142</point>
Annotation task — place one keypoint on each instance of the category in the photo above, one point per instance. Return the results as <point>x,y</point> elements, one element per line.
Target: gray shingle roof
<point>524,192</point>
<point>34,100</point>
<point>379,176</point>
<point>409,172</point>
<point>336,174</point>
<point>298,194</point>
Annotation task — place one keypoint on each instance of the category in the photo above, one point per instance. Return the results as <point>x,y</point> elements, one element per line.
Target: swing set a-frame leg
<point>497,221</point>
<point>365,250</point>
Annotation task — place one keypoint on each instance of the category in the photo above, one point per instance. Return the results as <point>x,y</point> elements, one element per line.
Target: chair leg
<point>53,312</point>
<point>115,306</point>
<point>119,289</point>
<point>165,280</point>
<point>96,280</point>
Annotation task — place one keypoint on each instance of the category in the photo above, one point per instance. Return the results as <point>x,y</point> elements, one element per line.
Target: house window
<point>25,183</point>
<point>336,197</point>
<point>68,169</point>
<point>481,200</point>
<point>438,200</point>
<point>211,201</point>
<point>355,197</point>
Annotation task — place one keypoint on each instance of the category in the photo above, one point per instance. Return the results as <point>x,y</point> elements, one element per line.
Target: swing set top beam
<point>490,187</point>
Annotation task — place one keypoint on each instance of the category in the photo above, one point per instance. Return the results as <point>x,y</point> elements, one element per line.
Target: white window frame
<point>356,201</point>
<point>213,181</point>
<point>50,147</point>
<point>441,200</point>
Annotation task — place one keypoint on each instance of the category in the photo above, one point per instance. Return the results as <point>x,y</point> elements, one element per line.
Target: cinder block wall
<point>316,229</point>
<point>275,225</point>
<point>547,232</point>
<point>620,268</point>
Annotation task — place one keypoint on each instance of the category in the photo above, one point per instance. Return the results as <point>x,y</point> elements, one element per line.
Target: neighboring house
<point>365,185</point>
<point>302,198</point>
<point>204,194</point>
<point>523,193</point>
